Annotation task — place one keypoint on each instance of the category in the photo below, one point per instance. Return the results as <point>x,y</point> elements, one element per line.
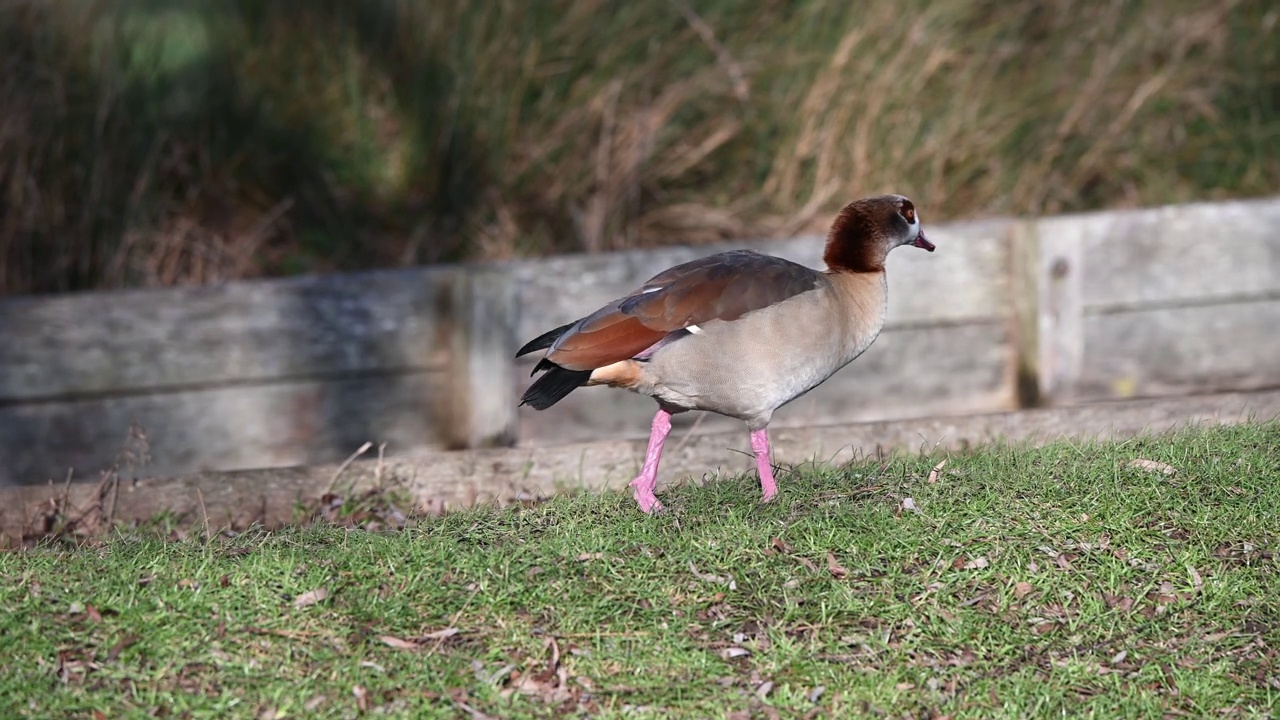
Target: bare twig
<point>345,464</point>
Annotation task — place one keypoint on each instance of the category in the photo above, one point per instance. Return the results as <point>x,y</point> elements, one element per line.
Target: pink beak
<point>922,242</point>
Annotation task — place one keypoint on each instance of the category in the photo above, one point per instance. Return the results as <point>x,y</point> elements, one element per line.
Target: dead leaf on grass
<point>730,653</point>
<point>1153,466</point>
<point>976,563</point>
<point>398,643</point>
<point>584,557</point>
<point>837,571</point>
<point>933,474</point>
<point>1022,589</point>
<point>418,642</point>
<point>362,697</point>
<point>709,577</point>
<point>765,688</point>
<point>909,504</point>
<point>310,597</point>
<point>1197,582</point>
<point>1044,628</point>
<point>781,545</point>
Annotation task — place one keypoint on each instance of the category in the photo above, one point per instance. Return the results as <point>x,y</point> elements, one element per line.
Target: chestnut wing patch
<point>718,287</point>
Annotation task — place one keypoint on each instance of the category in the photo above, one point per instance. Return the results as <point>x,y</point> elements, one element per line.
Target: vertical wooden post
<point>483,340</point>
<point>1061,311</point>
<point>1024,288</point>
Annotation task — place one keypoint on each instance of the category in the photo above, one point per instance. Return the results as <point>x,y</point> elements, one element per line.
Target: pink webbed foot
<point>764,463</point>
<point>647,480</point>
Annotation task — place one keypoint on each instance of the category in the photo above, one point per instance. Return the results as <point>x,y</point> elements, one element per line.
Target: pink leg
<point>647,480</point>
<point>764,462</point>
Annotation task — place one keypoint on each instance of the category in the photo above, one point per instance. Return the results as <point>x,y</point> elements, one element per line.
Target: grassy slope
<point>183,141</point>
<point>1033,582</point>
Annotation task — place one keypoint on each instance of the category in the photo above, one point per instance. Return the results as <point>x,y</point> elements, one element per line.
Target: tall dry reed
<point>157,143</point>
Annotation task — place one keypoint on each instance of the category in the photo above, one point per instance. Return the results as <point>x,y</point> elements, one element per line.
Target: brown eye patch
<point>908,211</point>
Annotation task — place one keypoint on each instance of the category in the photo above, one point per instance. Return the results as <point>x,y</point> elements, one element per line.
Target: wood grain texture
<point>482,336</point>
<point>463,478</point>
<point>240,426</point>
<point>1171,351</point>
<point>1176,254</point>
<point>91,344</point>
<point>907,372</point>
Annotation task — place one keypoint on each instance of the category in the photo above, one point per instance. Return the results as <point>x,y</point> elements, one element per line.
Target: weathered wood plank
<point>965,280</point>
<point>94,344</point>
<point>482,322</point>
<point>908,372</point>
<point>228,427</point>
<point>463,478</point>
<point>1175,254</point>
<point>1060,282</point>
<point>1180,350</point>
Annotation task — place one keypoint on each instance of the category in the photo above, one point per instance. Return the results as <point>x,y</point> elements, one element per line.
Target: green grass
<point>1053,582</point>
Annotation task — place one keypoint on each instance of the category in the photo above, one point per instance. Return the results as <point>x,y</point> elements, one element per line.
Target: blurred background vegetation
<point>161,142</point>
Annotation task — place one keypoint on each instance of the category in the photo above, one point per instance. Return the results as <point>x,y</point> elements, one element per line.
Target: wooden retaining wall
<point>1007,313</point>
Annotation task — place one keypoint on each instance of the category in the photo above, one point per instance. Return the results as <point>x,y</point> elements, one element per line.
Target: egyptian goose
<point>739,333</point>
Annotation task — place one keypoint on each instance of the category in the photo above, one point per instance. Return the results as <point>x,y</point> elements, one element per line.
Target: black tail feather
<point>544,341</point>
<point>553,386</point>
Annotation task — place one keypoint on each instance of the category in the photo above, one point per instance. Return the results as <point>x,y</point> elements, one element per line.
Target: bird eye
<point>908,212</point>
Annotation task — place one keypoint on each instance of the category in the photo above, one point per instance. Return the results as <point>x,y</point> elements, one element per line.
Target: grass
<point>1065,581</point>
<point>183,141</point>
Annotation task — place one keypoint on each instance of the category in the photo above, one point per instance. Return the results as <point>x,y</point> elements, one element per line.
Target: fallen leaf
<point>94,615</point>
<point>590,556</point>
<point>1044,627</point>
<point>707,577</point>
<point>1022,589</point>
<point>441,634</point>
<point>1197,582</point>
<point>765,688</point>
<point>933,474</point>
<point>977,563</point>
<point>730,653</point>
<point>834,567</point>
<point>362,698</point>
<point>909,504</point>
<point>398,643</point>
<point>807,563</point>
<point>816,693</point>
<point>781,545</point>
<point>1153,466</point>
<point>310,597</point>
